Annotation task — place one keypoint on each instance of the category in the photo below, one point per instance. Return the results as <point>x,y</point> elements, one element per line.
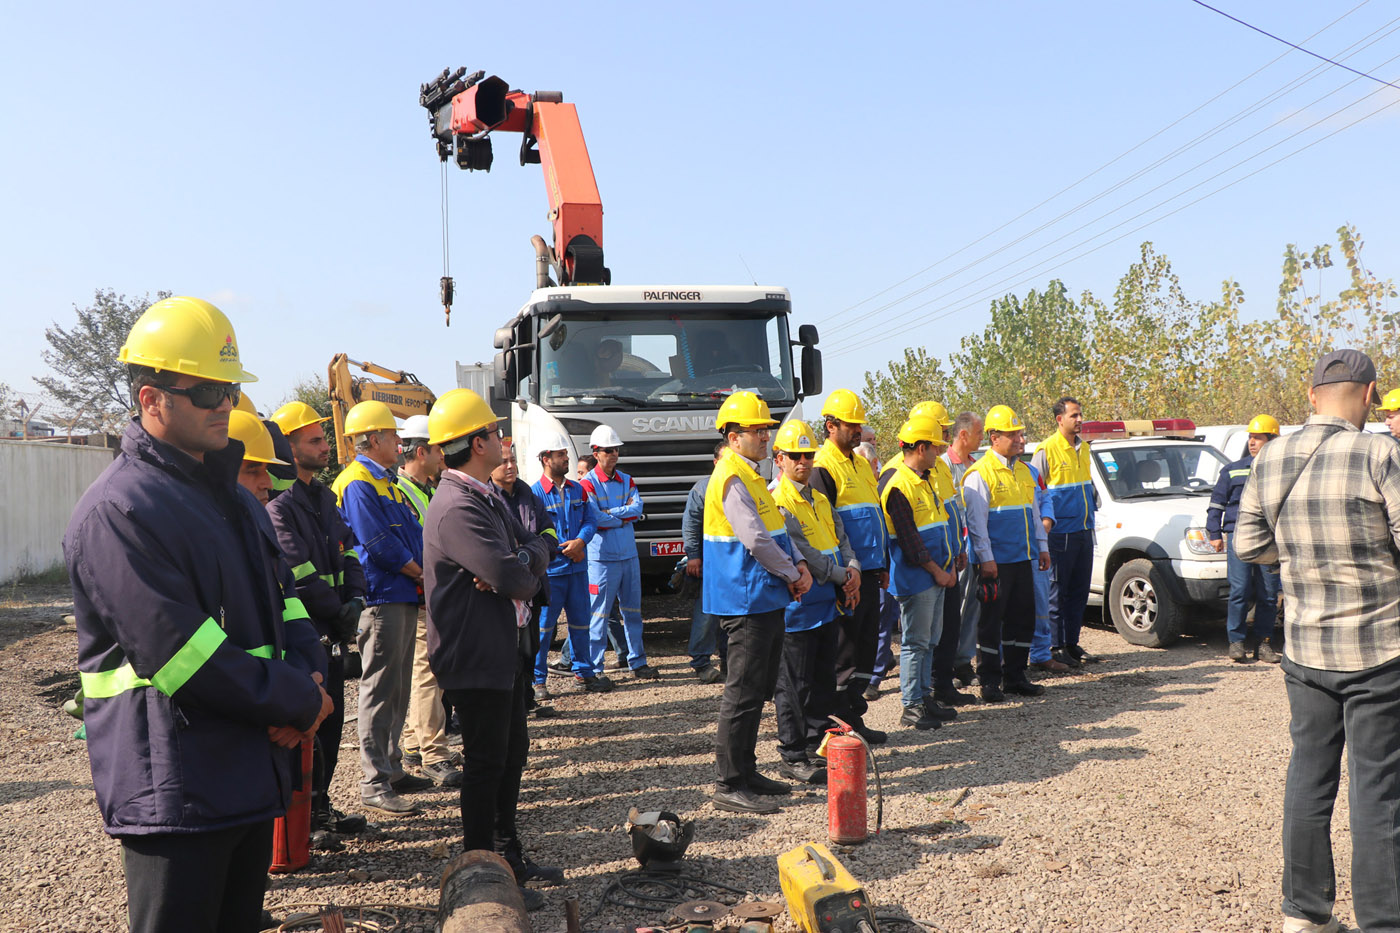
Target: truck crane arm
<point>465,111</point>
<point>400,390</point>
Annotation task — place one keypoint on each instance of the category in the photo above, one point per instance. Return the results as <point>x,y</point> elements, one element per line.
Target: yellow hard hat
<point>744,408</point>
<point>1263,424</point>
<point>256,439</point>
<point>185,335</point>
<point>294,416</point>
<point>457,414</point>
<point>1002,418</point>
<point>795,436</point>
<point>246,404</point>
<point>934,410</point>
<point>921,428</point>
<point>368,416</point>
<point>843,405</point>
<point>1391,402</point>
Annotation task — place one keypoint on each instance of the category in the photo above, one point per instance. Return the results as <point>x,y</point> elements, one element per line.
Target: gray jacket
<point>822,568</point>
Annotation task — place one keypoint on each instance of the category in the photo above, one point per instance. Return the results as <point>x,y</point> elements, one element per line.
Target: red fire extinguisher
<point>291,834</point>
<point>847,822</point>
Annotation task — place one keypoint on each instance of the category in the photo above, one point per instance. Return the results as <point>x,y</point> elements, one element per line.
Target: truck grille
<point>664,470</point>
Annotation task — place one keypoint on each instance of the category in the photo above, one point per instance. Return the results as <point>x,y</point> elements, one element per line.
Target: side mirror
<point>811,367</point>
<point>551,324</point>
<point>807,336</point>
<point>502,338</point>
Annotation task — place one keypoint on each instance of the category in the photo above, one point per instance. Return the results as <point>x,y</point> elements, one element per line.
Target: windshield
<point>601,359</point>
<point>1152,470</point>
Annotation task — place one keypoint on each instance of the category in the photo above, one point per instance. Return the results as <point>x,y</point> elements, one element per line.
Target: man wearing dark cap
<point>1324,504</point>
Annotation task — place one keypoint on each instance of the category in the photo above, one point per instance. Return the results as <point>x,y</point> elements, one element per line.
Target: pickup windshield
<point>1143,471</point>
<point>606,359</point>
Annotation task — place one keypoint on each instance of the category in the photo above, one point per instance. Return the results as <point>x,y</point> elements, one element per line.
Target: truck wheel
<point>1142,607</point>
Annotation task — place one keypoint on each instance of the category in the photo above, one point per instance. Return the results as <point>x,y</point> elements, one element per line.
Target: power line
<point>1085,178</point>
<point>1324,58</point>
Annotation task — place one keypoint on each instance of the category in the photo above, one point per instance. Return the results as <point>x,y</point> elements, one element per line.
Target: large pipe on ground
<point>478,894</point>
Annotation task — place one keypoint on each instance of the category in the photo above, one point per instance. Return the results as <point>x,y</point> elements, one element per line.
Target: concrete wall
<point>41,484</point>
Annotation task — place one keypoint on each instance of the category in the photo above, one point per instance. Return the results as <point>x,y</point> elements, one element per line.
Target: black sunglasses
<point>208,395</point>
<point>800,454</point>
<point>607,450</point>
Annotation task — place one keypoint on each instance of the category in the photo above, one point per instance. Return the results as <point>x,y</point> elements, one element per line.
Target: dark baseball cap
<point>1346,366</point>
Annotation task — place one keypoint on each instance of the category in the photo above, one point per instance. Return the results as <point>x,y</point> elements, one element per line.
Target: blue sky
<point>273,159</point>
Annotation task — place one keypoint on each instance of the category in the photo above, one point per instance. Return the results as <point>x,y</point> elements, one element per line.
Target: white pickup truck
<point>1152,562</point>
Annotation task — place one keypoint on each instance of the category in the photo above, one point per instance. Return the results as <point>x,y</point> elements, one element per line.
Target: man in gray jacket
<point>481,568</point>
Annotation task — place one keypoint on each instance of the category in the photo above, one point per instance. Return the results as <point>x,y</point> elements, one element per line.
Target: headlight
<point>1197,542</point>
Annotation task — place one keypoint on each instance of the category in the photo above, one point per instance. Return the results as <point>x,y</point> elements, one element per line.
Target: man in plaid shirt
<point>1325,504</point>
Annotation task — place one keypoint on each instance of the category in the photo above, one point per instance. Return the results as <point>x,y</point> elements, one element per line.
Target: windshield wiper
<point>1145,493</point>
<point>630,399</point>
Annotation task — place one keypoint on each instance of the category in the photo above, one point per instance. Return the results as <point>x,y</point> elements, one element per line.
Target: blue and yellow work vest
<point>858,501</point>
<point>930,517</point>
<point>818,605</point>
<point>951,496</point>
<point>735,583</point>
<point>1070,483</point>
<point>1010,511</point>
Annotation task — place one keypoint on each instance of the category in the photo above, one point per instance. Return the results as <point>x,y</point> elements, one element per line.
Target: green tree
<point>889,395</point>
<point>88,378</point>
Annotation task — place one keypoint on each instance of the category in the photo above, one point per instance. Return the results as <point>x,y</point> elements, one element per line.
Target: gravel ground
<point>1142,795</point>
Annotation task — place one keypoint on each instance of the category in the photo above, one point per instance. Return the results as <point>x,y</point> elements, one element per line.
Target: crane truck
<point>654,362</point>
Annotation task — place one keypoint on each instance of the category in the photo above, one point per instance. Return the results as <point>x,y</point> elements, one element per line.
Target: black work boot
<point>1237,652</point>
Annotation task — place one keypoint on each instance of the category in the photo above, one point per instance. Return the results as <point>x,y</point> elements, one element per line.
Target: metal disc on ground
<point>700,910</point>
<point>756,910</point>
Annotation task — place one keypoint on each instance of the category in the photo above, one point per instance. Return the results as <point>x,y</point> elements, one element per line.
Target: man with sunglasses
<point>750,577</point>
<point>614,572</point>
<point>200,669</point>
<point>847,480</point>
<point>389,541</point>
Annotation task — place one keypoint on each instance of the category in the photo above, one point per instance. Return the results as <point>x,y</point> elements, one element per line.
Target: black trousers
<point>197,882</point>
<point>1005,627</point>
<point>806,689</point>
<point>945,653</point>
<point>858,635</point>
<point>755,651</point>
<point>495,746</point>
<point>328,734</point>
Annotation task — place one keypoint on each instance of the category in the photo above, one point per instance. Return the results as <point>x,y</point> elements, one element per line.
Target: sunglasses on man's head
<point>208,395</point>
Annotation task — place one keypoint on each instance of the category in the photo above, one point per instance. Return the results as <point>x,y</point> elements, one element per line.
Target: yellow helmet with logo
<point>843,405</point>
<point>368,416</point>
<point>185,335</point>
<point>294,416</point>
<point>457,414</point>
<point>934,410</point>
<point>256,439</point>
<point>246,404</point>
<point>1263,424</point>
<point>1002,418</point>
<point>745,409</point>
<point>1391,402</point>
<point>921,428</point>
<point>795,436</point>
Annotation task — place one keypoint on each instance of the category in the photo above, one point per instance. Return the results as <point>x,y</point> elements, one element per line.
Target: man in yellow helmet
<point>199,668</point>
<point>1008,541</point>
<point>257,454</point>
<point>848,481</point>
<point>389,542</point>
<point>1390,411</point>
<point>806,686</point>
<point>750,577</point>
<point>1250,584</point>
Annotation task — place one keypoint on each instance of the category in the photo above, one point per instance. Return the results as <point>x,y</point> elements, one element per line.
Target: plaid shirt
<point>1336,537</point>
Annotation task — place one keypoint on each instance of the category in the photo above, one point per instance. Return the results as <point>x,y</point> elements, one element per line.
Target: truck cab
<point>654,362</point>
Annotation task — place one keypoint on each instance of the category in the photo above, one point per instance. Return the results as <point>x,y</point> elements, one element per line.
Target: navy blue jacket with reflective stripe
<point>185,610</point>
<point>319,546</point>
<point>1225,499</point>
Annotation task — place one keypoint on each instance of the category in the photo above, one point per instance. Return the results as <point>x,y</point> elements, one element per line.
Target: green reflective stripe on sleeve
<point>1244,472</point>
<point>349,554</point>
<point>265,651</point>
<point>189,659</point>
<point>332,579</point>
<point>293,608</point>
<point>302,571</point>
<point>106,684</point>
<point>551,532</point>
<point>282,485</point>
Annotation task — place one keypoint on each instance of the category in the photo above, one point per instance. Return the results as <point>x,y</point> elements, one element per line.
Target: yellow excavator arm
<point>401,391</point>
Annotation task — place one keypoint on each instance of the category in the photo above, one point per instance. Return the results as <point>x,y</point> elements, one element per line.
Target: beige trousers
<point>425,729</point>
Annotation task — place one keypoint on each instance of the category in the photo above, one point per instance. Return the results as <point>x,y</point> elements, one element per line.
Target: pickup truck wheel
<point>1142,607</point>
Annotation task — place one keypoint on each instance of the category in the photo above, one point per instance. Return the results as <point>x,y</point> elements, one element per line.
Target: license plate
<point>668,549</point>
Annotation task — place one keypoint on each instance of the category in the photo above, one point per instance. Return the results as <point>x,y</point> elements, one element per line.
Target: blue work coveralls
<point>614,573</point>
<point>574,516</point>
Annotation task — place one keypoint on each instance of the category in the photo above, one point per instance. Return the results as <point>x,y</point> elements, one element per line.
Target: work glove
<point>346,625</point>
<point>987,590</point>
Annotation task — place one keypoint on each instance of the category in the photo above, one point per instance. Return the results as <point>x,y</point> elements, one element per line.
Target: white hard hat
<point>552,440</point>
<point>604,436</point>
<point>414,428</point>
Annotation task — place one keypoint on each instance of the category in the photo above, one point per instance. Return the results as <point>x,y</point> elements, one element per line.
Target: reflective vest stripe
<point>415,497</point>
<point>1244,472</point>
<point>332,579</point>
<point>265,651</point>
<point>349,554</point>
<point>105,684</point>
<point>302,571</point>
<point>175,674</point>
<point>293,608</point>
